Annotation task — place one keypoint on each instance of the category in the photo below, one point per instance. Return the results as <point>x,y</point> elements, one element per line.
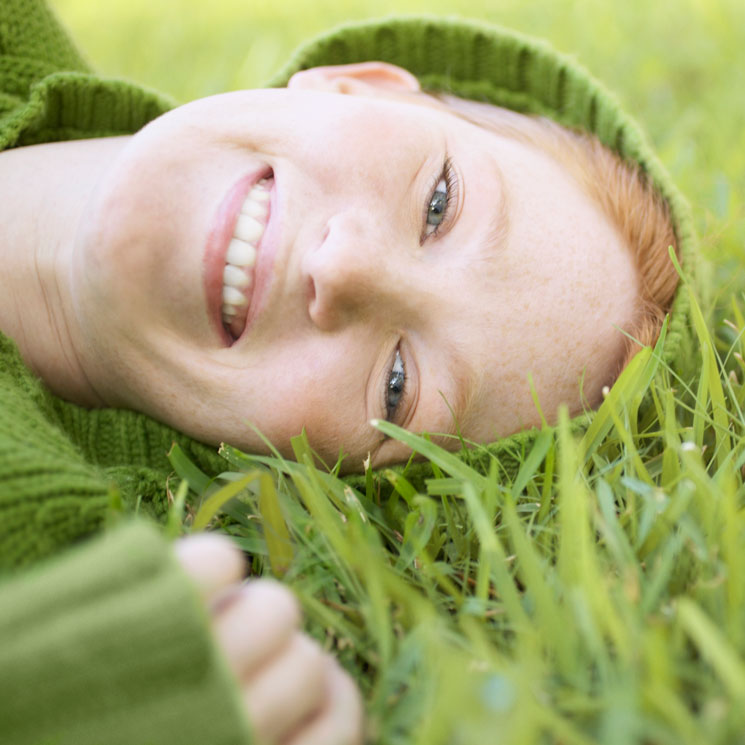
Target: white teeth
<point>248,229</point>
<point>255,209</point>
<point>259,194</point>
<point>233,296</point>
<point>235,277</point>
<point>240,253</point>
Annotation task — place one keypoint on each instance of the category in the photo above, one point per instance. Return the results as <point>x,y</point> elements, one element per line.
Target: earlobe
<point>361,78</point>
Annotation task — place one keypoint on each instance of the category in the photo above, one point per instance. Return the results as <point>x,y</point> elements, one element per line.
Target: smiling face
<point>396,261</point>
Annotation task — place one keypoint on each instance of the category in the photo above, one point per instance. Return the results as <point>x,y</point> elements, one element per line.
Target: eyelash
<point>450,178</point>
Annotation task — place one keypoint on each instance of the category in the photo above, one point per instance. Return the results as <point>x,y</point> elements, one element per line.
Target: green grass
<point>598,595</point>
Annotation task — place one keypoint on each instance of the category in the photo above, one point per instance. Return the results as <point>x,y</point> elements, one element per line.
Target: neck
<point>44,192</point>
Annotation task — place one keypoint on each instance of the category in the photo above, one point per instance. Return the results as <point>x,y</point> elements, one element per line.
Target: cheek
<point>519,332</point>
<point>290,386</point>
<point>115,259</point>
<point>319,398</point>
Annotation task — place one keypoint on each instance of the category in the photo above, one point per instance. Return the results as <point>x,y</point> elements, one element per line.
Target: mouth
<point>238,279</point>
<point>231,276</point>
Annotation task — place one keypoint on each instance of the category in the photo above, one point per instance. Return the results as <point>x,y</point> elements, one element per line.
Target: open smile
<point>232,255</point>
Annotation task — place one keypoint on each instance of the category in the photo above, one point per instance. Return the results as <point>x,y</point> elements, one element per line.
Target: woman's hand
<point>294,693</point>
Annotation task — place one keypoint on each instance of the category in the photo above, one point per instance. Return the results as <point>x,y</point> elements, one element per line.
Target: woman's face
<point>397,262</point>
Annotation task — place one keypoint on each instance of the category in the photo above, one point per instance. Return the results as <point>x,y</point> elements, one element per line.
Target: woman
<point>225,257</point>
<point>296,258</point>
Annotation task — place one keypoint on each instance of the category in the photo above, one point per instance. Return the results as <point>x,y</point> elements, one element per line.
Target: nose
<point>352,273</point>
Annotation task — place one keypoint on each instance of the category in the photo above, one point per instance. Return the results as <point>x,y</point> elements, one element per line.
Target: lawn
<point>597,595</point>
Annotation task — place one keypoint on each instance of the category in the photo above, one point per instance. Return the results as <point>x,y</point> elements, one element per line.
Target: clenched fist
<point>294,693</point>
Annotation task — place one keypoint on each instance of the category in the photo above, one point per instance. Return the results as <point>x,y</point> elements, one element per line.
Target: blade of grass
<point>212,505</point>
<point>437,455</point>
<point>276,534</point>
<point>715,648</point>
<point>185,468</point>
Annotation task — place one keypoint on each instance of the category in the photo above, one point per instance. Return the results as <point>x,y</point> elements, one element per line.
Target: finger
<point>256,625</point>
<point>287,690</point>
<point>341,720</point>
<point>212,561</point>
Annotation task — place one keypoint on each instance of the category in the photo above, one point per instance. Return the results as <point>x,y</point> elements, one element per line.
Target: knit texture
<point>61,465</point>
<point>47,93</point>
<point>108,645</point>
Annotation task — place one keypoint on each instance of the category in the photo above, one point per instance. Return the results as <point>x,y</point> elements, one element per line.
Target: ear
<point>361,79</point>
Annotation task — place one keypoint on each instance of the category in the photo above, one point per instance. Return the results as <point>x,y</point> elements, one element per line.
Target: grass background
<point>598,596</point>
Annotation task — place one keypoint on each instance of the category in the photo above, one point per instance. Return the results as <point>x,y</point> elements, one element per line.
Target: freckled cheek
<point>522,332</point>
<point>331,419</point>
<point>302,396</point>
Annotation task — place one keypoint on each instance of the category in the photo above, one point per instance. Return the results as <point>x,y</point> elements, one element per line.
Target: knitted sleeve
<point>105,641</point>
<point>108,645</point>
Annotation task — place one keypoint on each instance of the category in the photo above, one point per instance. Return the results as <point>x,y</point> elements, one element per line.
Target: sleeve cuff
<point>110,644</point>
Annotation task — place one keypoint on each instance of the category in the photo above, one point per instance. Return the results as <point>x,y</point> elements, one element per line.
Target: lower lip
<point>218,240</point>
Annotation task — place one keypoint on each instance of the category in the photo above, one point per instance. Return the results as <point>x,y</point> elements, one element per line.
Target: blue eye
<point>437,212</point>
<point>438,204</point>
<point>395,387</point>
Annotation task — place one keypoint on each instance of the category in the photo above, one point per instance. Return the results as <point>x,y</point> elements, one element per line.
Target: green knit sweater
<point>107,642</point>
